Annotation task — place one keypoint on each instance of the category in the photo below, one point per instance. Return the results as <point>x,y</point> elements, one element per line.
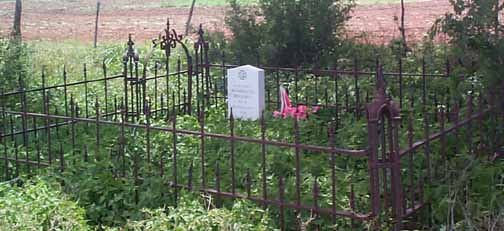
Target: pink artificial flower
<point>287,110</point>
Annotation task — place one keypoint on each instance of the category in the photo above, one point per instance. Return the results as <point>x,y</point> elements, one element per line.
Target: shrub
<point>38,206</point>
<point>191,214</point>
<point>286,32</point>
<point>475,37</point>
<point>14,64</point>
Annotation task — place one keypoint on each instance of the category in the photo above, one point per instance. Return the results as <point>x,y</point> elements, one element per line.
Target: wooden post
<point>96,22</point>
<point>403,29</point>
<point>17,20</point>
<point>188,23</point>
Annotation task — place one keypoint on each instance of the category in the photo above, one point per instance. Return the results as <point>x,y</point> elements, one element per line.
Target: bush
<point>38,206</point>
<point>191,214</point>
<point>475,38</point>
<point>14,64</point>
<point>286,32</point>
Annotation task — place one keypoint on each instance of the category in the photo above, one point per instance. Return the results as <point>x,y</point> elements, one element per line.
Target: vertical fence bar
<point>263,160</point>
<point>223,70</point>
<point>481,133</point>
<point>86,104</point>
<point>424,87</point>
<point>332,132</point>
<point>65,90</point>
<point>3,139</point>
<point>494,110</point>
<point>202,148</point>
<point>179,84</point>
<point>190,176</point>
<point>296,84</point>
<point>137,91</point>
<point>48,129</point>
<point>62,158</point>
<point>174,151</point>
<point>248,183</point>
<point>97,126</point>
<point>105,87</point>
<point>207,73</point>
<point>315,195</point>
<point>217,183</point>
<point>373,170</point>
<point>37,149</point>
<point>232,150</point>
<point>189,83</point>
<point>357,91</point>
<point>156,76</point>
<point>396,175</point>
<point>400,82</point>
<point>148,133</point>
<point>72,123</point>
<point>442,139</point>
<point>24,120</point>
<point>16,151</point>
<point>197,75</point>
<point>469,122</point>
<point>167,82</point>
<point>410,162</point>
<point>281,195</point>
<point>336,97</point>
<point>316,90</point>
<point>125,87</point>
<point>122,137</point>
<point>298,167</point>
<point>427,147</point>
<point>277,79</point>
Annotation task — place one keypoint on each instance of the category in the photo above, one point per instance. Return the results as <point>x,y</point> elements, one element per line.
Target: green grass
<point>187,3</point>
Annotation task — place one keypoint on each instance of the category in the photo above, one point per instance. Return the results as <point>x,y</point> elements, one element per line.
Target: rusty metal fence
<point>50,126</point>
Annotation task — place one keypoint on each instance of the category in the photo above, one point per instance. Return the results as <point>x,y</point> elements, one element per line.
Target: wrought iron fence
<point>39,124</point>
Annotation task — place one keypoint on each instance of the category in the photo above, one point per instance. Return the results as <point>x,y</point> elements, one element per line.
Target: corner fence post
<point>383,110</point>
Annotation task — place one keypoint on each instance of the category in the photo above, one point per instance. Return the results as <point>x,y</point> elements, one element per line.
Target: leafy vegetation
<point>288,34</point>
<point>14,63</point>
<point>38,205</point>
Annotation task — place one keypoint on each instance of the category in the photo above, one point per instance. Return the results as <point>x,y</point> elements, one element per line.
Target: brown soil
<point>58,20</point>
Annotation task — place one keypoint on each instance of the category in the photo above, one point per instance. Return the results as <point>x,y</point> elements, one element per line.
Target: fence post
<point>380,109</point>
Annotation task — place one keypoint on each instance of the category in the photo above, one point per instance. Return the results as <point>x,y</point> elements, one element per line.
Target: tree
<point>474,30</point>
<point>188,23</point>
<point>290,33</point>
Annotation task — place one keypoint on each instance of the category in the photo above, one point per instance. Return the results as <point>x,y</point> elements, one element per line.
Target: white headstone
<point>246,92</point>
